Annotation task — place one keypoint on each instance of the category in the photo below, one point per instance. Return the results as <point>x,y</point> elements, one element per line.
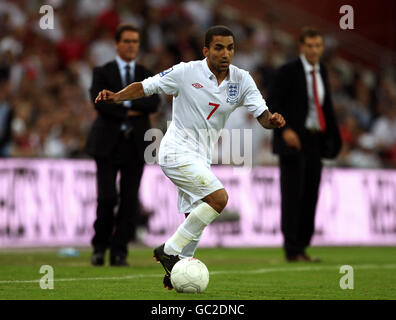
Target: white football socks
<point>189,250</point>
<point>191,228</point>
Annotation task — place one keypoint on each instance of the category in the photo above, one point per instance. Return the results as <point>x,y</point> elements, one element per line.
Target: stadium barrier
<point>53,203</point>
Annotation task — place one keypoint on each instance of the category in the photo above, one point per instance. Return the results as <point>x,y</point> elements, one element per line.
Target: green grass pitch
<point>235,273</point>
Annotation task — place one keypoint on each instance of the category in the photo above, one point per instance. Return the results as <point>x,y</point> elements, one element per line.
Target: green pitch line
<point>254,273</point>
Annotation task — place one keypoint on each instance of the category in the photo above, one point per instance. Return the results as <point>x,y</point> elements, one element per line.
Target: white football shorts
<point>194,182</point>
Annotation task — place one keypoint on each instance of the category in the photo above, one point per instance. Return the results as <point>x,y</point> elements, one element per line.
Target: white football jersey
<point>201,108</point>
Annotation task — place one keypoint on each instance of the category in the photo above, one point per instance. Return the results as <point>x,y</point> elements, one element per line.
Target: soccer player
<point>204,95</point>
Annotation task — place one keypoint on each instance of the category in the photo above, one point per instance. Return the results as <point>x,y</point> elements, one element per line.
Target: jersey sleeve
<point>251,97</point>
<point>168,81</point>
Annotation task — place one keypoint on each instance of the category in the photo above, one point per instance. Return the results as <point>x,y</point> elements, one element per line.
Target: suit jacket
<point>6,129</point>
<point>106,130</point>
<point>288,96</point>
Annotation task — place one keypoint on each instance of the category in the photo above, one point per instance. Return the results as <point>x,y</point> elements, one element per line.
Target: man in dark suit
<point>6,117</point>
<point>301,93</point>
<point>116,142</point>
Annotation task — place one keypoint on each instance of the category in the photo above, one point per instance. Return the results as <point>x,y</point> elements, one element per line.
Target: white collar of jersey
<point>209,73</point>
<point>307,66</point>
<point>122,63</point>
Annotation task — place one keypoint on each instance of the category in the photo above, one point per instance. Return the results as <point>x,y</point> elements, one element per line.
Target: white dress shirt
<point>312,121</point>
<point>201,107</point>
<point>121,66</point>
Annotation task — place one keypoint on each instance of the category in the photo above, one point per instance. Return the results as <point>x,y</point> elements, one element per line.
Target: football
<point>190,275</point>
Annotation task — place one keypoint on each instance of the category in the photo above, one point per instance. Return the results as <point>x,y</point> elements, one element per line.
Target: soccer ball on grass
<point>190,275</point>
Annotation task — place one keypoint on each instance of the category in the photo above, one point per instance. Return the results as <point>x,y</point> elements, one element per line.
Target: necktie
<point>128,77</point>
<point>319,110</point>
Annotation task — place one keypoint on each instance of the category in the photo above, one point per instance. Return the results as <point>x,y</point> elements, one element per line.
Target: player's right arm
<point>130,92</point>
<point>167,82</point>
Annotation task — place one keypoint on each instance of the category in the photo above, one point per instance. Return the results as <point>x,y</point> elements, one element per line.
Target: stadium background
<point>46,112</point>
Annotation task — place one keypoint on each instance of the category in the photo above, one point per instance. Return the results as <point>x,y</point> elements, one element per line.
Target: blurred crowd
<point>45,74</point>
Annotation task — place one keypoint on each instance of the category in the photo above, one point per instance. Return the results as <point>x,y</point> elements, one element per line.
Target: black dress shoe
<point>307,258</point>
<point>97,259</point>
<point>293,258</point>
<point>302,257</point>
<point>118,261</point>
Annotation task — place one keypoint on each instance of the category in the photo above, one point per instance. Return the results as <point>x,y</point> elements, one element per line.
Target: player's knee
<point>217,200</point>
<point>221,201</point>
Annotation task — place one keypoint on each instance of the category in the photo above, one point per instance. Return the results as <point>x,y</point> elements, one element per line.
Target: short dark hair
<point>309,32</point>
<point>217,31</point>
<point>125,27</point>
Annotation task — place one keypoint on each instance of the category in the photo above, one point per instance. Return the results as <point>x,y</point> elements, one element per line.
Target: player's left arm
<point>254,102</point>
<point>271,120</point>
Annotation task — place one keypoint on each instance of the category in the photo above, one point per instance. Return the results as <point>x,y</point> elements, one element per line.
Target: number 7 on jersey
<point>215,105</point>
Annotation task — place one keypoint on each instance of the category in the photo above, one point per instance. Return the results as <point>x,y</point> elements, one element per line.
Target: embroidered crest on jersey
<point>165,72</point>
<point>232,92</point>
<point>197,85</point>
